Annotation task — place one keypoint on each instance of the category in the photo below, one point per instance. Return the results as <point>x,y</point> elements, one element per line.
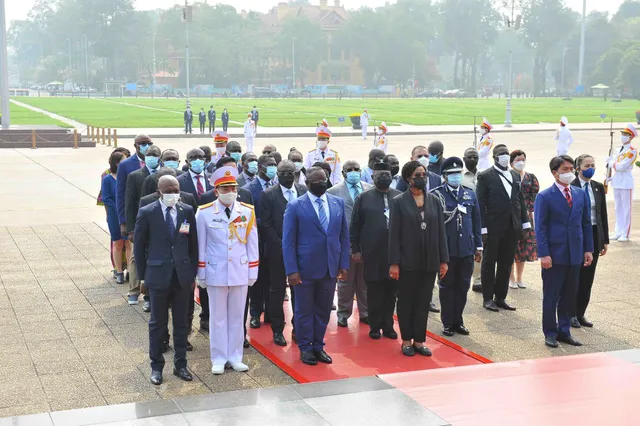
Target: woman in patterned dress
<point>527,250</point>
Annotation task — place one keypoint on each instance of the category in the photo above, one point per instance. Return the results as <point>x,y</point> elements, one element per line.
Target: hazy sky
<point>18,9</point>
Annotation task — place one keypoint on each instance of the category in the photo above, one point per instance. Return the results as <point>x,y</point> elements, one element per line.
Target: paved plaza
<point>69,340</point>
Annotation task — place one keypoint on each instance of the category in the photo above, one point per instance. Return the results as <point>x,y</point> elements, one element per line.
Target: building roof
<point>329,15</point>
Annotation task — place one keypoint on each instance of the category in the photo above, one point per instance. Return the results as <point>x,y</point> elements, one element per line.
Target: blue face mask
<point>151,162</point>
<point>454,179</point>
<point>197,166</point>
<point>172,164</point>
<point>589,172</point>
<point>144,148</point>
<point>353,177</point>
<point>236,156</point>
<point>433,158</point>
<point>252,167</point>
<point>271,171</point>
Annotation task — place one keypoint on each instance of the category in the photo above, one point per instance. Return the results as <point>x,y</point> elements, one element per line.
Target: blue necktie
<point>171,227</point>
<point>322,215</point>
<point>586,190</point>
<point>290,196</point>
<point>356,191</point>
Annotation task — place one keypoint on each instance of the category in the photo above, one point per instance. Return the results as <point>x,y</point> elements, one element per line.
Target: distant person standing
<point>255,116</point>
<point>382,142</point>
<point>202,118</point>
<point>485,145</point>
<point>225,119</point>
<point>211,115</point>
<point>564,137</point>
<point>623,183</point>
<point>364,123</point>
<point>188,120</point>
<point>249,132</point>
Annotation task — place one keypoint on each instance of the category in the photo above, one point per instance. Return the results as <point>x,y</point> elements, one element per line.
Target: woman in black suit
<point>417,252</point>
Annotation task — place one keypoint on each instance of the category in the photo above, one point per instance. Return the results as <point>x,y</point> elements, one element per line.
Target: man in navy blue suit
<point>565,243</point>
<point>315,247</point>
<point>166,248</point>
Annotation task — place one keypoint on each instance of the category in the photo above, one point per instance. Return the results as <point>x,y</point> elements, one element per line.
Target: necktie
<point>455,193</point>
<point>322,152</point>
<point>322,215</point>
<point>141,164</point>
<point>290,196</point>
<point>199,187</point>
<point>171,227</point>
<point>356,191</point>
<point>567,194</point>
<point>228,212</point>
<point>586,190</point>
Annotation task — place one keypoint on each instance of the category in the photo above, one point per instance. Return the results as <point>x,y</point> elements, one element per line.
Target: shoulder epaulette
<point>205,206</point>
<point>334,151</point>
<point>247,205</point>
<point>437,187</point>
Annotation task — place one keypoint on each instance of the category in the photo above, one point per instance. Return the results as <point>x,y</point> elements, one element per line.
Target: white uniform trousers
<point>562,148</point>
<point>477,267</point>
<point>364,131</point>
<point>226,328</point>
<point>249,142</point>
<point>623,199</point>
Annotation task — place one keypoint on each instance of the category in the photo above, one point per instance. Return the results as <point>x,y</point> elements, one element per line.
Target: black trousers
<point>204,304</point>
<point>381,302</point>
<point>415,291</point>
<point>500,250</point>
<point>212,126</point>
<point>187,127</point>
<point>225,125</point>
<point>586,279</point>
<point>453,290</point>
<point>202,126</point>
<point>276,295</point>
<point>178,298</point>
<point>259,292</point>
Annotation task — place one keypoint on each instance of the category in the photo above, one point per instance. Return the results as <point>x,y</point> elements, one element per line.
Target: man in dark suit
<point>315,249</point>
<point>369,231</point>
<point>202,119</point>
<point>504,220</point>
<point>188,120</point>
<point>586,167</point>
<point>166,246</point>
<point>259,292</point>
<point>273,204</point>
<point>195,181</point>
<point>421,154</point>
<point>125,168</point>
<point>249,169</point>
<point>212,119</point>
<point>170,158</point>
<point>244,195</point>
<point>394,165</point>
<point>564,235</point>
<point>436,157</point>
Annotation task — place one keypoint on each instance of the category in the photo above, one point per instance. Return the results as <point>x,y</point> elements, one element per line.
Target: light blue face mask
<point>353,177</point>
<point>197,166</point>
<point>252,167</point>
<point>144,148</point>
<point>172,164</point>
<point>271,171</point>
<point>433,158</point>
<point>151,162</point>
<point>454,179</point>
<point>236,156</point>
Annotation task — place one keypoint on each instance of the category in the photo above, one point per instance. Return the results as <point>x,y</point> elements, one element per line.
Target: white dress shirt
<point>325,205</point>
<point>592,200</point>
<point>195,179</point>
<point>285,192</point>
<point>507,175</point>
<point>394,181</point>
<point>173,213</point>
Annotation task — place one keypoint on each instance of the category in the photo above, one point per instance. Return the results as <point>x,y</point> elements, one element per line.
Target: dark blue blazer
<point>157,253</point>
<point>256,190</point>
<point>125,168</point>
<point>211,114</point>
<point>562,232</point>
<point>186,185</point>
<point>188,116</point>
<point>309,250</point>
<point>464,240</point>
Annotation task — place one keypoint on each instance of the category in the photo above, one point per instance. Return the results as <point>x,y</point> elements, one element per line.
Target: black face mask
<point>318,188</point>
<point>382,182</point>
<point>470,164</point>
<point>286,180</point>
<point>395,170</point>
<point>419,183</point>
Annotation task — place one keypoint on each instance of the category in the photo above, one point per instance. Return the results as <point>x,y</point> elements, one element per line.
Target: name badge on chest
<point>184,228</point>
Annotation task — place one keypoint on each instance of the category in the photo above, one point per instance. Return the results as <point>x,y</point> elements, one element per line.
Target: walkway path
<point>69,121</point>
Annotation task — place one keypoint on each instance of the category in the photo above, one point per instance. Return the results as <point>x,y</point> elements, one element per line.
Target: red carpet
<point>593,389</point>
<point>355,354</point>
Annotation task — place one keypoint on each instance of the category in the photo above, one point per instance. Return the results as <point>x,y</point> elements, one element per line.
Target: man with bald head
<point>170,158</point>
<point>196,180</point>
<point>166,248</point>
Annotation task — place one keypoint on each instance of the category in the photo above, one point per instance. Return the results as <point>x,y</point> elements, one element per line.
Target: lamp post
<point>513,23</point>
<point>4,70</point>
<point>293,63</point>
<point>186,18</point>
<point>564,53</point>
<point>582,32</point>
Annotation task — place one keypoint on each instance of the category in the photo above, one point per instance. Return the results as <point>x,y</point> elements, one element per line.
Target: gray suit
<point>354,284</point>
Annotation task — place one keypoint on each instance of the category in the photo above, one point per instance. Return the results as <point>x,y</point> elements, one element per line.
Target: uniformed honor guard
<point>220,140</point>
<point>322,153</point>
<point>564,137</point>
<point>464,241</point>
<point>227,264</point>
<point>381,142</point>
<point>623,183</point>
<point>249,132</point>
<point>324,123</point>
<point>202,118</point>
<point>485,145</point>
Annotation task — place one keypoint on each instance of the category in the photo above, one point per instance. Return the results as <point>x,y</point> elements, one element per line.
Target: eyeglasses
<point>317,181</point>
<point>266,152</point>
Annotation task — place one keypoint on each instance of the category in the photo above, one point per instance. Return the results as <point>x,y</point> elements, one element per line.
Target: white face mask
<point>298,165</point>
<point>483,131</point>
<point>424,161</point>
<point>503,160</point>
<point>566,178</point>
<point>221,150</point>
<point>322,144</point>
<point>170,200</point>
<point>519,165</point>
<point>624,139</point>
<point>228,198</point>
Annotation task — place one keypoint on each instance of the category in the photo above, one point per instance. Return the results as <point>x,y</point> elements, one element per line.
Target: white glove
<point>201,283</point>
<point>252,282</point>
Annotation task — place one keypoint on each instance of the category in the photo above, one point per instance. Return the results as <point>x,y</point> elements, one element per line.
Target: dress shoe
<point>422,350</point>
<point>551,341</point>
<point>217,369</point>
<point>447,331</point>
<point>433,308</point>
<point>323,357</point>
<point>278,339</point>
<point>408,350</point>
<point>614,237</point>
<point>623,239</point>
<point>239,367</point>
<point>364,320</point>
<point>390,334</point>
<point>255,322</point>
<point>189,347</point>
<point>342,322</point>
<point>490,305</point>
<point>477,288</point>
<point>156,378</point>
<point>575,323</point>
<point>504,305</point>
<point>308,357</point>
<point>146,306</point>
<point>183,374</point>
<point>166,348</point>
<point>246,344</point>
<point>461,329</point>
<point>569,340</point>
<point>334,307</point>
<point>583,322</point>
<point>375,334</point>
<point>204,325</point>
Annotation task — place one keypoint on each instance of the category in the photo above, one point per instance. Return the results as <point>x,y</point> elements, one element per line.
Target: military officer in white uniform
<point>249,132</point>
<point>622,182</point>
<point>220,140</point>
<point>382,142</point>
<point>563,137</point>
<point>228,262</point>
<point>364,123</point>
<point>322,153</point>
<point>485,145</point>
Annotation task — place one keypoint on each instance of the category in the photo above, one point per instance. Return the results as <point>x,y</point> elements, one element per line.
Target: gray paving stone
<point>291,413</point>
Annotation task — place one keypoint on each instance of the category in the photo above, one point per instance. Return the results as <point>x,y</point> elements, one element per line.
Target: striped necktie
<point>322,215</point>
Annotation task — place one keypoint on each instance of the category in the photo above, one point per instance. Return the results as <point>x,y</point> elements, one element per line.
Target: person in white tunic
<point>228,261</point>
<point>323,153</point>
<point>324,123</point>
<point>382,142</point>
<point>485,145</point>
<point>564,137</point>
<point>621,161</point>
<point>364,123</point>
<point>249,132</point>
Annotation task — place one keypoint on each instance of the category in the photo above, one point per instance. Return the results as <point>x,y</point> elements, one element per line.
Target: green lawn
<point>24,116</point>
<point>158,113</point>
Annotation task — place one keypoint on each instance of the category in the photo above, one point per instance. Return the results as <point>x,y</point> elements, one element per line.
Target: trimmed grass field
<point>23,116</point>
<point>167,113</point>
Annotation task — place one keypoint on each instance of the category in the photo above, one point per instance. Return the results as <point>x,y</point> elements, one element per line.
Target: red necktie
<point>199,186</point>
<point>141,164</point>
<point>567,194</point>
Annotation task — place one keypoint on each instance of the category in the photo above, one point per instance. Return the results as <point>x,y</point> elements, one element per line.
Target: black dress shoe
<point>490,305</point>
<point>504,305</point>
<point>278,339</point>
<point>575,323</point>
<point>246,344</point>
<point>323,357</point>
<point>374,334</point>
<point>447,331</point>
<point>204,325</point>
<point>551,341</point>
<point>183,374</point>
<point>342,322</point>
<point>461,329</point>
<point>408,350</point>
<point>477,288</point>
<point>189,347</point>
<point>156,378</point>
<point>569,340</point>
<point>255,322</point>
<point>308,357</point>
<point>433,308</point>
<point>390,334</point>
<point>423,350</point>
<point>364,320</point>
<point>583,322</point>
